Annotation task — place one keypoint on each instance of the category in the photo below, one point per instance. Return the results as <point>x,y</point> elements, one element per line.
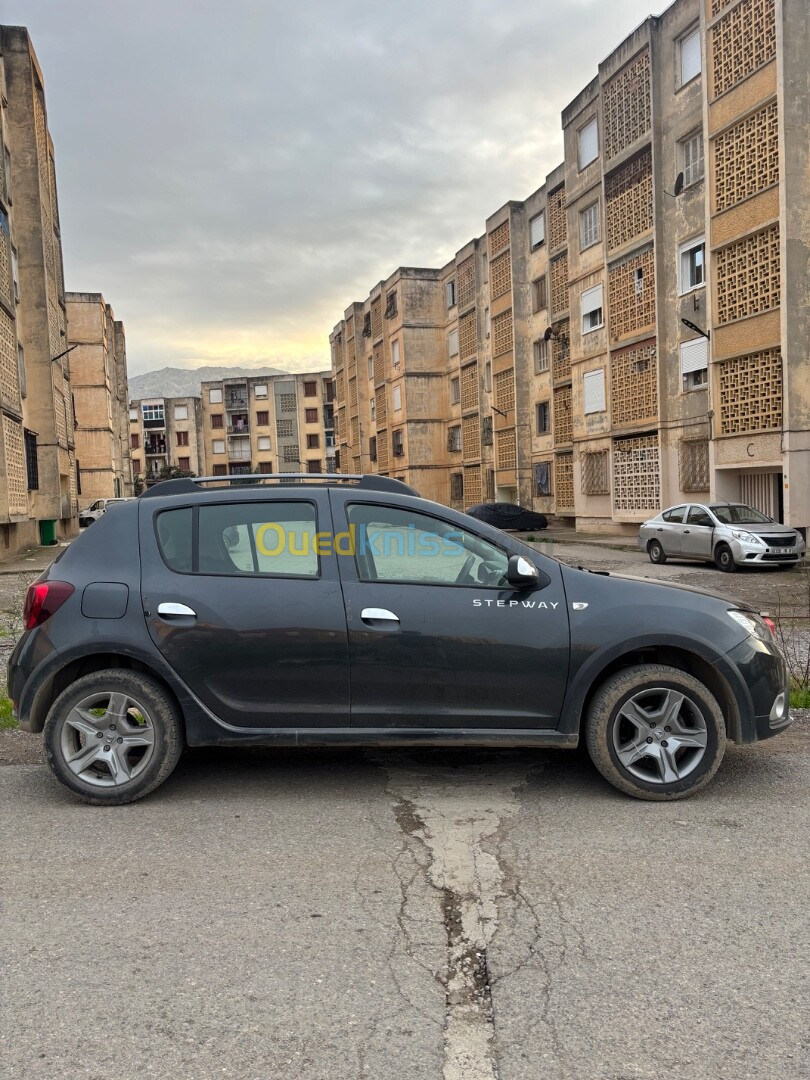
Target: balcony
<point>236,400</point>
<point>239,451</point>
<point>155,425</point>
<point>155,449</point>
<point>240,426</point>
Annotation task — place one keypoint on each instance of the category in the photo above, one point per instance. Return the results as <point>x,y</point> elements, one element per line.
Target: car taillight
<point>42,600</point>
<point>770,624</point>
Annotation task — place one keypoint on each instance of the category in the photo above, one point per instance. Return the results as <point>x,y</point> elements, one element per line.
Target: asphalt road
<point>409,915</point>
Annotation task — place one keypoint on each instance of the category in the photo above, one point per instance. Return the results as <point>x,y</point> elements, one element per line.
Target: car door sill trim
<point>389,736</point>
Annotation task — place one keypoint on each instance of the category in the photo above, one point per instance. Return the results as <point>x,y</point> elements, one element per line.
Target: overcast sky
<point>232,175</point>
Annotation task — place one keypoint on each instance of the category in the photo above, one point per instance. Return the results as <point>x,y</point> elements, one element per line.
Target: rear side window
<point>675,514</point>
<point>277,538</point>
<point>174,533</point>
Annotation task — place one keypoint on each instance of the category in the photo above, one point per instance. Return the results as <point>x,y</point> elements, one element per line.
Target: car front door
<point>246,609</point>
<point>437,638</point>
<point>696,542</point>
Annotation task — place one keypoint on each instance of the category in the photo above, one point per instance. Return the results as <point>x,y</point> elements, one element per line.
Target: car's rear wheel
<point>656,552</point>
<point>724,559</point>
<point>113,736</point>
<point>655,732</point>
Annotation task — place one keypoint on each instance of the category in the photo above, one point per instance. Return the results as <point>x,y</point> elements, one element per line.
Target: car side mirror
<point>521,572</point>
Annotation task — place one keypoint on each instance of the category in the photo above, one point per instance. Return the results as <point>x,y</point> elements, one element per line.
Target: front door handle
<point>378,614</point>
<point>167,610</point>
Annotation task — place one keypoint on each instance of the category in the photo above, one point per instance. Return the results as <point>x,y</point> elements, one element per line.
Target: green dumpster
<point>47,532</point>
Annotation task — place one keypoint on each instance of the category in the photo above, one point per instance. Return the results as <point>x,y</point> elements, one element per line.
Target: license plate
<point>780,551</point>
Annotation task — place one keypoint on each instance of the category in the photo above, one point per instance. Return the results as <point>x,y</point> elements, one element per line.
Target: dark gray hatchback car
<point>346,610</point>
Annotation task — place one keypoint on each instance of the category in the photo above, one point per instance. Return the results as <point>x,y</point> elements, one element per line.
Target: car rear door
<point>669,530</point>
<point>437,639</point>
<point>244,606</point>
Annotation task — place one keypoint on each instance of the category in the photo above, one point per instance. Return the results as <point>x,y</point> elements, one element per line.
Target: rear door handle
<point>168,610</point>
<point>378,614</point>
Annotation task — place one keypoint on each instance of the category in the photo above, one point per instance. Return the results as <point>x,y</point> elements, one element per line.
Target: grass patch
<point>7,721</point>
<point>800,697</point>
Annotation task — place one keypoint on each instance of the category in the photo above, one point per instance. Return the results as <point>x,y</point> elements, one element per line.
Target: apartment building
<point>38,478</point>
<point>276,424</point>
<point>164,433</point>
<point>618,341</point>
<point>98,378</point>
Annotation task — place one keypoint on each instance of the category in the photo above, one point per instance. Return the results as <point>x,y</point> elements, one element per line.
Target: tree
<point>172,472</point>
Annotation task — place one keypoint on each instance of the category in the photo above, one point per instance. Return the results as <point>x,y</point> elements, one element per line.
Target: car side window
<point>272,538</point>
<point>698,516</point>
<point>403,545</point>
<point>675,515</point>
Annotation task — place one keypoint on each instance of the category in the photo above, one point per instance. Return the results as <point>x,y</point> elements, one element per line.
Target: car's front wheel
<point>656,552</point>
<point>113,736</point>
<point>724,559</point>
<point>655,732</point>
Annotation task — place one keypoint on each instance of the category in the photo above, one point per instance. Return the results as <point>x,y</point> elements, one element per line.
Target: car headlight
<point>755,625</point>
<point>747,537</point>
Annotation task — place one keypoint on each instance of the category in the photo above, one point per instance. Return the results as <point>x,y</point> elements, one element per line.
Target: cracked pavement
<point>430,915</point>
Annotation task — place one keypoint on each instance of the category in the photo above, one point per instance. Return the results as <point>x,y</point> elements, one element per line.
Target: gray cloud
<point>232,175</point>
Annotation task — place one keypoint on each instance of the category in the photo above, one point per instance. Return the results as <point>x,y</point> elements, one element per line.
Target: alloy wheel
<point>107,739</point>
<point>659,735</point>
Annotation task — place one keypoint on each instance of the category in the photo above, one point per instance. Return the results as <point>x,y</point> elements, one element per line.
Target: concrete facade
<point>579,388</point>
<point>38,478</point>
<point>98,372</point>
<point>164,433</point>
<point>281,423</point>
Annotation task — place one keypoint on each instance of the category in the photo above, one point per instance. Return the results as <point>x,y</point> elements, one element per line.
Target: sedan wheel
<point>656,552</point>
<point>656,732</point>
<point>724,559</point>
<point>112,736</point>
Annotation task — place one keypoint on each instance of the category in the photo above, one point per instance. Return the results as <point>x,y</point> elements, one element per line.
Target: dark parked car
<point>509,516</point>
<point>348,611</point>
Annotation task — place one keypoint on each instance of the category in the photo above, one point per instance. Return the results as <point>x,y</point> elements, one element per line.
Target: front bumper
<point>764,672</point>
<point>746,554</point>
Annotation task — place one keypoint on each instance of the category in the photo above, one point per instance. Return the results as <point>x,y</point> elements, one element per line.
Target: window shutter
<point>694,355</point>
<point>591,300</point>
<point>452,343</point>
<point>537,230</point>
<point>594,391</point>
<point>690,57</point>
<point>588,143</point>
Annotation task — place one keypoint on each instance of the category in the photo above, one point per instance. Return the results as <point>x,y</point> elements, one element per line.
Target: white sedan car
<point>727,534</point>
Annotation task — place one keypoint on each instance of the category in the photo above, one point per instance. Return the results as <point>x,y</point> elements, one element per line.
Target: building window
<point>689,50</point>
<point>136,467</point>
<point>265,467</point>
<point>315,466</point>
<point>694,363</point>
<point>588,143</point>
<point>450,293</point>
<point>539,295</point>
<point>313,442</point>
<point>638,280</point>
<point>133,415</point>
<point>264,442</point>
<point>152,414</point>
<point>589,226</point>
<point>540,348</point>
<point>594,475</point>
<point>310,416</point>
<point>260,391</point>
<point>487,322</point>
<point>543,418</point>
<point>456,486</point>
<point>184,463</point>
<point>692,265</point>
<point>537,231</point>
<point>181,412</point>
<point>397,398</point>
<point>391,305</point>
<point>372,405</point>
<point>367,324</point>
<point>220,470</point>
<point>395,354</point>
<point>455,391</point>
<point>262,418</point>
<point>692,158</point>
<point>488,376</point>
<point>454,439</point>
<point>397,444</point>
<point>215,397</point>
<point>218,446</point>
<point>542,478</point>
<point>31,460</point>
<point>452,343</point>
<point>310,389</point>
<point>593,391</point>
<point>486,431</point>
<point>592,309</point>
<point>182,438</point>
<point>216,420</point>
<point>372,448</point>
<point>134,442</point>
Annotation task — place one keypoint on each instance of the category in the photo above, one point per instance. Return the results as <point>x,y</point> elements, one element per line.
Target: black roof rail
<point>188,485</point>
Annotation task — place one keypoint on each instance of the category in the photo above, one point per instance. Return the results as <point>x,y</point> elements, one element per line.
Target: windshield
<point>739,514</point>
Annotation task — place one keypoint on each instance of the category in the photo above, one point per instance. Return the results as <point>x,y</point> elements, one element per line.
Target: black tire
<point>164,724</point>
<point>656,553</point>
<point>724,559</point>
<point>603,716</point>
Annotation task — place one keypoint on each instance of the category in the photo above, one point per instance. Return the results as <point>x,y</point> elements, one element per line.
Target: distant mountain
<point>185,382</point>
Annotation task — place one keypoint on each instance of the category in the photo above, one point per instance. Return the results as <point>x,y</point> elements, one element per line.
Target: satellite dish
<point>678,187</point>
